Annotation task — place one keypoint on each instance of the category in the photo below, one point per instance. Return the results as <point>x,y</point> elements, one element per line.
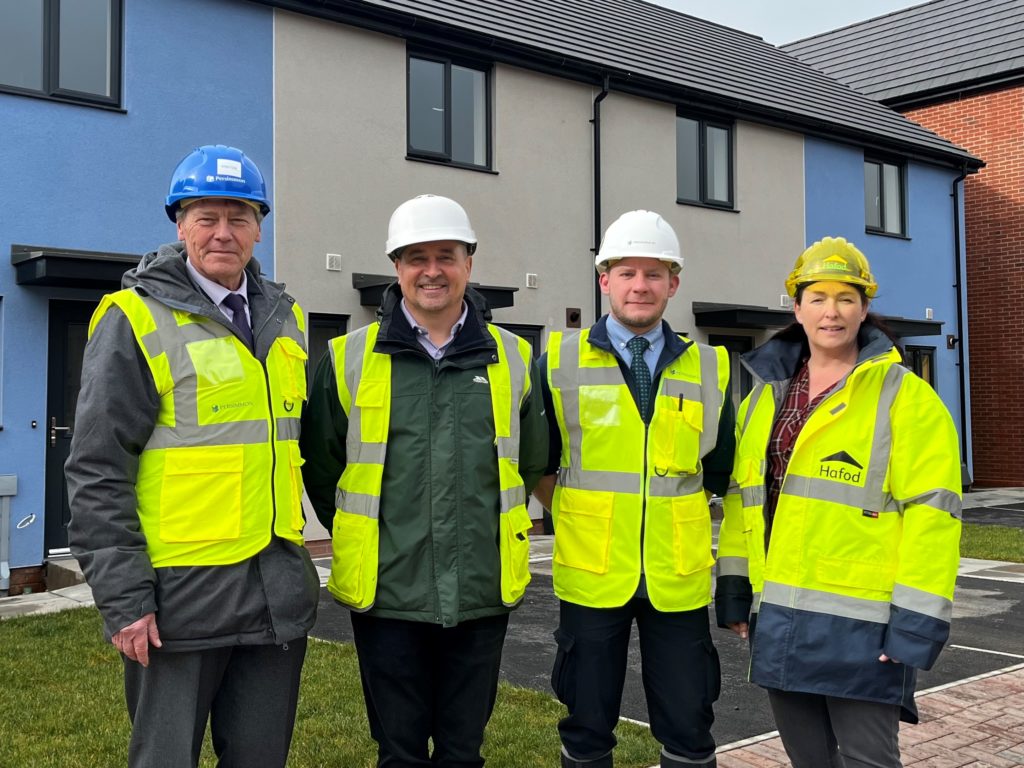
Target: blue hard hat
<point>215,170</point>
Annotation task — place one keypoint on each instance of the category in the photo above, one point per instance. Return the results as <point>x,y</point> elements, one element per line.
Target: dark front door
<point>69,329</point>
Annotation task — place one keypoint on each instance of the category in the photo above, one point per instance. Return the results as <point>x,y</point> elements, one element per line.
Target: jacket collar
<point>779,358</point>
<point>395,332</point>
<point>674,344</point>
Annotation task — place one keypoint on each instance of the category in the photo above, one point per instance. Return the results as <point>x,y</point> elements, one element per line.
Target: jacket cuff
<point>733,598</point>
<point>913,638</point>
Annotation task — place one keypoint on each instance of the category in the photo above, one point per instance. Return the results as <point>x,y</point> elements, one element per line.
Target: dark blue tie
<point>236,304</point>
<point>641,373</point>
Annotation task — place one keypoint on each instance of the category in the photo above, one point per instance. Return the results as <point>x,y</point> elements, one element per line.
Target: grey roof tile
<point>926,51</point>
<point>651,49</point>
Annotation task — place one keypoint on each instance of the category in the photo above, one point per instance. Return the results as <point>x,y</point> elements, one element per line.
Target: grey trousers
<point>831,732</point>
<point>248,693</point>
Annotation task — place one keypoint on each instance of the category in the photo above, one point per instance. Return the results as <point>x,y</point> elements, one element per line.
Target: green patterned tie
<point>641,373</point>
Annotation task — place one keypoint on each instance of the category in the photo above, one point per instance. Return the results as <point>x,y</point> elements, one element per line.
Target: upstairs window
<point>448,112</point>
<point>884,198</point>
<point>63,49</point>
<point>704,160</point>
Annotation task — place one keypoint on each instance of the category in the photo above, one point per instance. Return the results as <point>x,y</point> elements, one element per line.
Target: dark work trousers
<point>832,732</point>
<point>681,676</point>
<point>248,693</point>
<point>423,681</point>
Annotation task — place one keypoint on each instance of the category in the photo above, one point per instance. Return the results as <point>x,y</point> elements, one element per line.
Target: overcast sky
<point>783,21</point>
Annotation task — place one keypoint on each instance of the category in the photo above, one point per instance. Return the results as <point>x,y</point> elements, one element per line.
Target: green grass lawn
<point>992,542</point>
<point>61,704</point>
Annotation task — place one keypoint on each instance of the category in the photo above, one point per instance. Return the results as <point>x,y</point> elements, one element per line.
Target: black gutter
<point>596,122</point>
<point>960,266</point>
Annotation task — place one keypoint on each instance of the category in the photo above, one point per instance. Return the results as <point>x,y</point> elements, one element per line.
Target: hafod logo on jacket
<point>840,473</point>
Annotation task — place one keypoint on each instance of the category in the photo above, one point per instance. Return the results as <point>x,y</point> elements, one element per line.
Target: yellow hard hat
<point>832,259</point>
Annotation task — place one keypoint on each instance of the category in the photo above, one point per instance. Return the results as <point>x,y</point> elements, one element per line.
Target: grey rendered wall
<point>340,170</point>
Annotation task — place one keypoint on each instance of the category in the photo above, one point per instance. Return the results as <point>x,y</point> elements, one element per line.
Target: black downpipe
<point>960,322</point>
<point>596,122</point>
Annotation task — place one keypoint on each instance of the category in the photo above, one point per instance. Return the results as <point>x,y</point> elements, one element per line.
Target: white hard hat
<point>427,218</point>
<point>643,234</point>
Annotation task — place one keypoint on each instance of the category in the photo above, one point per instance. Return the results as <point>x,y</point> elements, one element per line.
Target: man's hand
<point>134,640</point>
<point>545,490</point>
<point>740,628</point>
<point>884,659</point>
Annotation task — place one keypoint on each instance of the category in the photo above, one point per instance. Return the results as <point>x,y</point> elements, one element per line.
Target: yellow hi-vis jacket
<point>629,495</point>
<point>221,471</point>
<point>363,378</point>
<point>863,549</point>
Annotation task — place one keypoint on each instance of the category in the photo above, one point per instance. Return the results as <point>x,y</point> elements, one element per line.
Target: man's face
<point>639,289</point>
<point>219,236</point>
<point>433,277</point>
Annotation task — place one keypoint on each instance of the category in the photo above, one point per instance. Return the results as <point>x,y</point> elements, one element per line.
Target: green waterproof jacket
<point>439,512</point>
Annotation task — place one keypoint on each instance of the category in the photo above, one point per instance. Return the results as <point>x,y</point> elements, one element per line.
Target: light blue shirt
<point>423,335</point>
<point>217,292</point>
<point>619,335</point>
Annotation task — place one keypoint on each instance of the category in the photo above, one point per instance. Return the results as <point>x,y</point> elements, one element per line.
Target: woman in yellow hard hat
<point>839,549</point>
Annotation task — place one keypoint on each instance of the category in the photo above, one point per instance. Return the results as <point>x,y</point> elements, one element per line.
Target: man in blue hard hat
<point>184,480</point>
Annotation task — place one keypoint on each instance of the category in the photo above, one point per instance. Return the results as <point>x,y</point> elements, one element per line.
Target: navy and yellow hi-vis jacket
<point>863,551</point>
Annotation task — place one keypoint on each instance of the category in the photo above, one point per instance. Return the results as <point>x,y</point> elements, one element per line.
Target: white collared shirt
<point>217,292</point>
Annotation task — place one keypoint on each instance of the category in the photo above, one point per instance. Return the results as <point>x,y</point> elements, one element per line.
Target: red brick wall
<point>991,126</point>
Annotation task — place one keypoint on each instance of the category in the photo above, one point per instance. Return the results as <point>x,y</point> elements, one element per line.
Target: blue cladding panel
<point>195,72</point>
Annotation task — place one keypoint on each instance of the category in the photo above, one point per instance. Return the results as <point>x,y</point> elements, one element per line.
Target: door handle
<point>54,429</point>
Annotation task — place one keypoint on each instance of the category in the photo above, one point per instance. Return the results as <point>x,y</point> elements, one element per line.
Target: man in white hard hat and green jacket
<point>641,427</point>
<point>424,434</point>
<point>184,480</point>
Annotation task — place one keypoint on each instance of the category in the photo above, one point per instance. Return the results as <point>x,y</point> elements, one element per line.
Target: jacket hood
<point>779,358</point>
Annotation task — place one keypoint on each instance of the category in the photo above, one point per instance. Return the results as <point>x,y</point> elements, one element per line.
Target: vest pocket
<point>354,561</point>
<point>515,554</point>
<point>201,494</point>
<point>675,436</point>
<point>293,376</point>
<point>583,529</point>
<point>691,535</point>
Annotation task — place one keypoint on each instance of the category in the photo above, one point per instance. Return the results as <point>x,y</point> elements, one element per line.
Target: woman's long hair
<point>795,332</point>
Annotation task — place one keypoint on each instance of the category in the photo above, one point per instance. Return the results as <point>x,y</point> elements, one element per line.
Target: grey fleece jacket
<point>269,598</point>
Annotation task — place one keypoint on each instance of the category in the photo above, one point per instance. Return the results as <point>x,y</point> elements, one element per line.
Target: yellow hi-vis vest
<point>868,515</point>
<point>222,469</point>
<point>629,495</point>
<point>363,378</point>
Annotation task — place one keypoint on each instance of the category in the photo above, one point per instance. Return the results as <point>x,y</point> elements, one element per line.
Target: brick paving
<point>974,724</point>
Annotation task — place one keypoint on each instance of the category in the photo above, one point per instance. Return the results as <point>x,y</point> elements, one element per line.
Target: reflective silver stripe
<point>712,397</point>
<point>673,486</point>
<point>357,503</point>
<point>919,601</point>
<point>733,566</point>
<point>287,429</point>
<point>680,759</point>
<point>837,409</point>
<point>881,442</point>
<point>826,602</point>
<point>941,499</point>
<point>752,496</point>
<point>355,350</point>
<point>513,497</point>
<point>564,379</point>
<point>508,448</point>
<point>596,377</point>
<point>617,482</point>
<point>752,403</point>
<point>231,433</point>
<point>755,603</point>
<point>734,487</point>
<point>837,492</point>
<point>676,387</point>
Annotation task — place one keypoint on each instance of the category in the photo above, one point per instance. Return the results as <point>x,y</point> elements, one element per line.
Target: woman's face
<point>831,314</point>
